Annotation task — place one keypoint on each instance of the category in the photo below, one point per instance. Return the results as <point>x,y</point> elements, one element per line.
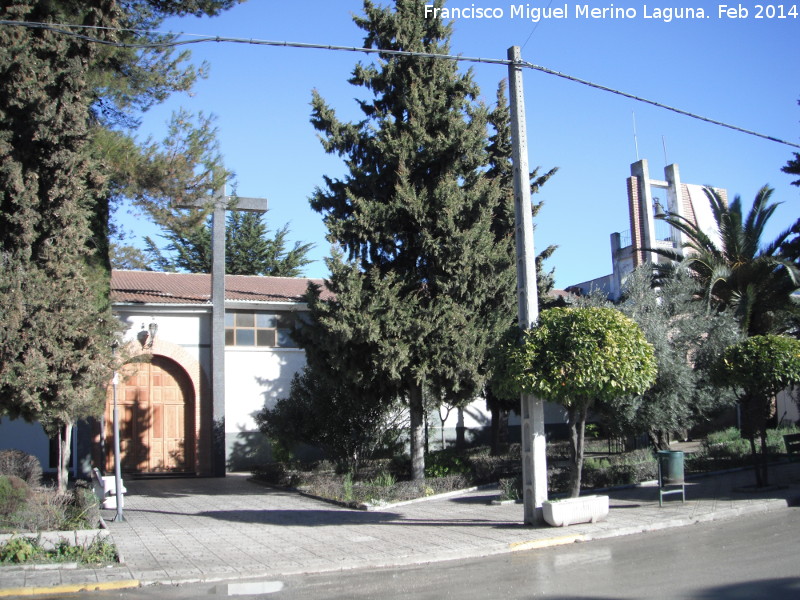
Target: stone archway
<point>157,409</point>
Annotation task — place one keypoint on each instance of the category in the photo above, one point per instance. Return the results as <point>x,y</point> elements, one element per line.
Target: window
<point>259,329</point>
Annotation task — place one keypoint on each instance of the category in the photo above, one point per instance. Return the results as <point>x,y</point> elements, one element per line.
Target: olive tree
<point>576,356</point>
<point>758,368</point>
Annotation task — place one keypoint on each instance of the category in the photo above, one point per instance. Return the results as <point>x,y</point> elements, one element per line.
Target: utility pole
<point>534,461</point>
<point>222,203</point>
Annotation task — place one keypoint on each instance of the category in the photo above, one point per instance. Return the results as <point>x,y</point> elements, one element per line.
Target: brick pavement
<point>190,530</point>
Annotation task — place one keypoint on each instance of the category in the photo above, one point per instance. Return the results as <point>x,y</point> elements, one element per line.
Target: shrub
<point>445,462</point>
<point>13,494</point>
<point>22,465</point>
<point>621,469</point>
<point>83,510</point>
<point>727,443</point>
<point>19,550</point>
<point>511,488</point>
<point>46,510</point>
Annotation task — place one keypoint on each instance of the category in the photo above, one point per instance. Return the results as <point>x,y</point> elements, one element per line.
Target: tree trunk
<point>427,441</point>
<point>657,439</point>
<point>756,463</point>
<point>764,458</point>
<point>494,432</point>
<point>461,441</point>
<point>64,455</point>
<point>499,432</point>
<point>417,442</point>
<point>577,426</point>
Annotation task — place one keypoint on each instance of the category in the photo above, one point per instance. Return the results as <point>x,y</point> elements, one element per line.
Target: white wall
<point>788,411</point>
<point>188,328</point>
<point>255,377</point>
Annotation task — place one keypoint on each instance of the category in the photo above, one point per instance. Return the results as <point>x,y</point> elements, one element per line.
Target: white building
<point>164,392</point>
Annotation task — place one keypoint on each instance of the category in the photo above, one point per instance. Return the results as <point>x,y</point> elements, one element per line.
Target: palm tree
<point>756,281</point>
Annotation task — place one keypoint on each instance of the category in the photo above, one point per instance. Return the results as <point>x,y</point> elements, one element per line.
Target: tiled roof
<point>150,287</point>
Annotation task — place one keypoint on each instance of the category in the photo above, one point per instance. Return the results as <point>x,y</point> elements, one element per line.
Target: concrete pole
<point>118,517</point>
<point>534,462</point>
<point>218,449</point>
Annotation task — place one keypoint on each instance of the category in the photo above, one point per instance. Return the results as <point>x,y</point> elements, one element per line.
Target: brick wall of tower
<point>637,230</point>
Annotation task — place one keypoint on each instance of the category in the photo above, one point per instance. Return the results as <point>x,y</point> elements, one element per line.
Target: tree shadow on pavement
<point>316,518</point>
<point>774,589</point>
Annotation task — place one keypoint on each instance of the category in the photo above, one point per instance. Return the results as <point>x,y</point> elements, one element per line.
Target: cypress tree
<point>55,350</point>
<point>415,219</point>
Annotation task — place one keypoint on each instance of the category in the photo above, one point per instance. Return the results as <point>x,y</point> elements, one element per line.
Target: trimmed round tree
<point>576,356</point>
<point>758,368</point>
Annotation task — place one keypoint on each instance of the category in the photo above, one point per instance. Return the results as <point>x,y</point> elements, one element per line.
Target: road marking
<point>253,588</point>
<point>547,542</point>
<point>72,588</point>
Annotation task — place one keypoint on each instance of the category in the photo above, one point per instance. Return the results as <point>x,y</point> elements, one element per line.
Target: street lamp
<point>117,467</point>
<point>153,329</point>
<point>147,336</point>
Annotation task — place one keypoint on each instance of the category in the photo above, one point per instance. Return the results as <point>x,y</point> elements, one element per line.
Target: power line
<point>64,29</point>
<point>535,27</point>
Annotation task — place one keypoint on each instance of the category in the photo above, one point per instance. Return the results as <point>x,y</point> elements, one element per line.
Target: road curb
<point>71,588</point>
<point>720,515</point>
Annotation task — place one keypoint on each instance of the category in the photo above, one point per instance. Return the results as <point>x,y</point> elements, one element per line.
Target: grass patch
<point>19,550</point>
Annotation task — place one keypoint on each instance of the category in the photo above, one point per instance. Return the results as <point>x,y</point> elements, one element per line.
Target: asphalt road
<point>757,556</point>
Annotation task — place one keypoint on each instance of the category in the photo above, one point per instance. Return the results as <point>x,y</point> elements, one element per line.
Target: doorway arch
<point>156,403</point>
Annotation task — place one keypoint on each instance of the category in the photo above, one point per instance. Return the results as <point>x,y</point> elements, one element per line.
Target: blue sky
<point>743,71</point>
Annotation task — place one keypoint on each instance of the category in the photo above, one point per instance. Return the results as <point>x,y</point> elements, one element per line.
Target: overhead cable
<point>66,30</point>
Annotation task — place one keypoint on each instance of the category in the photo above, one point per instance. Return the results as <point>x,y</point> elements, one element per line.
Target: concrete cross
<point>222,203</point>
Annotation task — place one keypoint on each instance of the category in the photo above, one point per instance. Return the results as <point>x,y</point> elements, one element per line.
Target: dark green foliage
<point>759,367</point>
<point>55,344</point>
<point>424,257</point>
<point>322,413</point>
<point>249,250</point>
<point>21,464</point>
<point>754,279</point>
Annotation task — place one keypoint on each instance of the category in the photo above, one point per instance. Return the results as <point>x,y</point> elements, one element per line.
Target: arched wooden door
<point>156,415</point>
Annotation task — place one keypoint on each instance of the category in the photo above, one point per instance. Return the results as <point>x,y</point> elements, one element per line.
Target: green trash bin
<point>670,473</point>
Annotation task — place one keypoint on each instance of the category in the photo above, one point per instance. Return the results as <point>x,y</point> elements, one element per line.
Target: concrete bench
<point>792,443</point>
<point>105,489</point>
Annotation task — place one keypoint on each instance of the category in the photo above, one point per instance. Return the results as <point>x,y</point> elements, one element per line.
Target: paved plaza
<point>195,529</point>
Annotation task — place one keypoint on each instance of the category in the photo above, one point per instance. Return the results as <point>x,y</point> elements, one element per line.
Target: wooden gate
<point>156,414</point>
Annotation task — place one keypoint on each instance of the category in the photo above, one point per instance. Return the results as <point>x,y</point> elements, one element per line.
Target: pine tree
<point>415,218</point>
<point>249,249</point>
<point>55,351</point>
